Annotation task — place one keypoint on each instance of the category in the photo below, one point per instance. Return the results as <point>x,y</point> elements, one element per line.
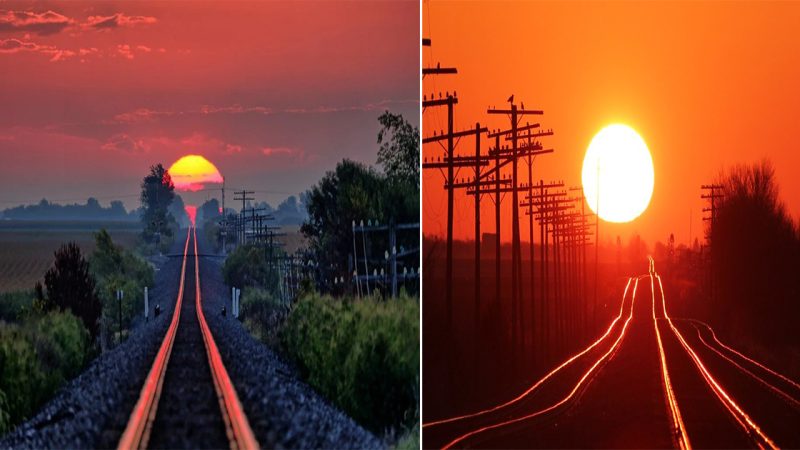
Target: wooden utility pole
<point>242,195</point>
<point>449,101</point>
<point>514,114</point>
<point>712,192</point>
<point>450,163</point>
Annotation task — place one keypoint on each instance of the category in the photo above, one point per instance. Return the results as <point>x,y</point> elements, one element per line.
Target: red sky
<point>273,93</point>
<point>707,85</point>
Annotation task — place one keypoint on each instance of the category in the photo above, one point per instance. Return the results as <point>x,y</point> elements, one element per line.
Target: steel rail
<point>237,427</point>
<point>615,346</point>
<point>783,395</point>
<point>751,428</point>
<point>543,379</point>
<point>236,424</point>
<point>137,432</point>
<point>679,428</point>
<point>750,360</point>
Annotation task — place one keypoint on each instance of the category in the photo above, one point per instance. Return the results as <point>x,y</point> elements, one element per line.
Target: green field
<point>26,248</point>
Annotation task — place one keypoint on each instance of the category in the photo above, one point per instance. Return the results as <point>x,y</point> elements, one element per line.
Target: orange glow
<point>750,427</point>
<point>589,64</point>
<point>192,172</point>
<point>569,396</point>
<point>191,211</point>
<point>546,377</point>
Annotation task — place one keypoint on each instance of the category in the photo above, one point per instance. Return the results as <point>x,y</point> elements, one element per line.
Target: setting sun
<point>619,168</point>
<point>191,172</point>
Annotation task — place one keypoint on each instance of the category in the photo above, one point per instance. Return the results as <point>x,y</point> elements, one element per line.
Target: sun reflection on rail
<point>677,420</point>
<point>788,398</point>
<point>571,394</point>
<point>546,377</point>
<point>750,427</point>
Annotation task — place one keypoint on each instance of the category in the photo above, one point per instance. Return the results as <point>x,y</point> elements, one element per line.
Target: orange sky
<point>707,85</point>
<point>274,93</point>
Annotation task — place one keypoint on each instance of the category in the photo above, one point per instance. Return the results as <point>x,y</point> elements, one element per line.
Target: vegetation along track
<point>200,407</point>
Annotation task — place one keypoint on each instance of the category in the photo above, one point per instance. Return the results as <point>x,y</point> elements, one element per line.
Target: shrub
<point>36,358</point>
<point>115,268</point>
<point>263,315</point>
<point>13,305</point>
<point>248,266</point>
<point>362,354</point>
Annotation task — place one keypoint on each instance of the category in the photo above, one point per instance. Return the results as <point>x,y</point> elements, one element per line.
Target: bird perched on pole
<point>511,99</point>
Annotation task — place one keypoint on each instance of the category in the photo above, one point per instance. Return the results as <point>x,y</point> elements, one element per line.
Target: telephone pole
<point>242,195</point>
<point>514,113</point>
<point>712,192</point>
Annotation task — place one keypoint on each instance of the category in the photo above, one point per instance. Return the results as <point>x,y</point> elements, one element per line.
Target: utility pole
<point>450,163</point>
<point>711,193</point>
<point>242,195</point>
<point>516,255</point>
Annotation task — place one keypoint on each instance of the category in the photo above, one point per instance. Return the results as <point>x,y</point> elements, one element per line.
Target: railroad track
<point>188,399</point>
<point>552,393</point>
<point>708,394</point>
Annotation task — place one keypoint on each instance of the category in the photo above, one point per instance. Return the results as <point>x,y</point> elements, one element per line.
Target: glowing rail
<point>236,424</point>
<point>137,432</point>
<point>775,389</point>
<point>714,336</point>
<point>585,376</point>
<point>677,420</point>
<point>545,378</point>
<point>238,431</point>
<point>750,427</point>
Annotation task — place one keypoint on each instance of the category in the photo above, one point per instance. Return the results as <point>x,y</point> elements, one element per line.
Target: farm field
<point>26,248</point>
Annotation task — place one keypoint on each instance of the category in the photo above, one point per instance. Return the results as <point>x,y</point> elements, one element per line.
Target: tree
<point>755,247</point>
<point>399,149</point>
<point>352,192</point>
<point>71,287</point>
<point>158,191</point>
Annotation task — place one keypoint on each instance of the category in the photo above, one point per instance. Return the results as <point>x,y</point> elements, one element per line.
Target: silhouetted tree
<point>158,191</point>
<point>70,286</point>
<point>756,246</point>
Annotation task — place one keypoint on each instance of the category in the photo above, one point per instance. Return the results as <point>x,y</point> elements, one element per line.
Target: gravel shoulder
<point>283,411</point>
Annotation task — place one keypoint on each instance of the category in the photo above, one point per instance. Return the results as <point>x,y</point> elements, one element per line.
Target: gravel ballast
<point>91,411</point>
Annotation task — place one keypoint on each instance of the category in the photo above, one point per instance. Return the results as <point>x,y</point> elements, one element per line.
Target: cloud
<point>48,22</point>
<point>125,51</point>
<point>147,115</point>
<point>122,142</point>
<point>295,155</point>
<point>116,21</point>
<point>11,46</point>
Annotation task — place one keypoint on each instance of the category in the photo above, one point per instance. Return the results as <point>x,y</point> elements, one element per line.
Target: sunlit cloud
<point>48,22</point>
<point>12,46</point>
<point>117,20</point>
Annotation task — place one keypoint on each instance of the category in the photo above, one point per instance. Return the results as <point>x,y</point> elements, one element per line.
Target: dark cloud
<point>10,46</point>
<point>117,20</point>
<point>48,22</point>
<point>122,142</point>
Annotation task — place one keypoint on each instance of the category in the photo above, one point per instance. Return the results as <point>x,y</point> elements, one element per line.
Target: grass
<point>26,250</point>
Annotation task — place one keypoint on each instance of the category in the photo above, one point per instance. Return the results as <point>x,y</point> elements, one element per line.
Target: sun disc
<point>192,172</point>
<point>618,175</point>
